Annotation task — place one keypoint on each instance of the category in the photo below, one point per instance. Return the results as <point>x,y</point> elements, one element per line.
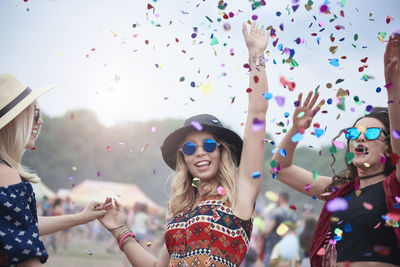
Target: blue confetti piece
<point>256,175</point>
<point>347,228</point>
<point>268,96</point>
<point>329,101</point>
<point>280,47</point>
<point>318,40</point>
<point>276,149</point>
<point>378,90</point>
<point>274,175</point>
<point>297,137</point>
<point>314,197</point>
<point>283,152</point>
<point>192,84</point>
<point>286,114</point>
<point>319,132</point>
<point>274,61</point>
<point>337,238</point>
<point>334,62</point>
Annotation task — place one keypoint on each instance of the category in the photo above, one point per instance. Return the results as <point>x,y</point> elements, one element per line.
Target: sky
<point>149,60</point>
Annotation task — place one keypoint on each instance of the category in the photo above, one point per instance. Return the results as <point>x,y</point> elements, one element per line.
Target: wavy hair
<point>14,137</point>
<point>350,172</point>
<point>183,194</point>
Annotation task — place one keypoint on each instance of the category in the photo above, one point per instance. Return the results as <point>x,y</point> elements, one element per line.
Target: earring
<point>196,182</point>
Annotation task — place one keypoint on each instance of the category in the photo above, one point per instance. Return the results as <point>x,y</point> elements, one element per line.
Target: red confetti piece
<point>146,42</point>
<point>342,13</point>
<point>292,207</point>
<point>316,125</point>
<point>248,90</point>
<point>233,99</point>
<point>149,7</point>
<point>256,79</point>
<point>72,116</point>
<point>108,148</point>
<point>177,40</point>
<point>364,60</point>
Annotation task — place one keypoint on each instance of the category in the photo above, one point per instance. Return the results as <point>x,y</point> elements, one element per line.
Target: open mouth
<point>203,163</point>
<point>361,150</point>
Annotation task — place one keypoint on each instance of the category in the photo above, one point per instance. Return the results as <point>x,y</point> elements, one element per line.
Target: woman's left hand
<point>92,211</point>
<point>391,61</point>
<point>256,39</point>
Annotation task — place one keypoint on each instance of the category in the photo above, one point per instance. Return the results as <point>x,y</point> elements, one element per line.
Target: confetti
<point>74,168</point>
<point>297,137</point>
<point>221,190</point>
<point>282,229</point>
<point>205,88</point>
<point>89,252</point>
<point>368,206</point>
<point>257,125</point>
<point>256,175</point>
<point>349,157</point>
<point>334,62</point>
<point>108,148</point>
<point>337,204</point>
<point>280,100</point>
<point>197,125</point>
<point>271,196</point>
<point>396,134</point>
<point>148,244</point>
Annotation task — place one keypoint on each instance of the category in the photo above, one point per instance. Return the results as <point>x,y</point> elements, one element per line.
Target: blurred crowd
<point>281,235</point>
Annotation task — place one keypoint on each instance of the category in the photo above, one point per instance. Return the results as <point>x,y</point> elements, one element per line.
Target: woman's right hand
<point>115,216</point>
<point>304,113</point>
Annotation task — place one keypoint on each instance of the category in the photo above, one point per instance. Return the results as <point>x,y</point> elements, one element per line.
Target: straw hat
<point>209,124</point>
<point>15,96</point>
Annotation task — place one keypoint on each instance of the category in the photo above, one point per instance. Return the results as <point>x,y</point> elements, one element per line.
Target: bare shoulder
<point>8,176</point>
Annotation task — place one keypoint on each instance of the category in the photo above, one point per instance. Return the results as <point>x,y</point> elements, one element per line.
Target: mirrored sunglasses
<point>371,133</point>
<point>209,145</point>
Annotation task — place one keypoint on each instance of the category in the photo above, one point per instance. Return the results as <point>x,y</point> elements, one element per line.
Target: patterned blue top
<point>19,232</point>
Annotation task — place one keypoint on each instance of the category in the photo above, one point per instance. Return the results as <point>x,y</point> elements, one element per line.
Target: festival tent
<point>127,194</point>
<point>41,190</point>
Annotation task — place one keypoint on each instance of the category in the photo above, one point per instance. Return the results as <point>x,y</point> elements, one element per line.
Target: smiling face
<point>203,165</point>
<point>368,153</point>
<point>37,123</point>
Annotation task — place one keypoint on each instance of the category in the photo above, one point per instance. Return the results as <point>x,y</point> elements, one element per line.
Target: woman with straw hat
<point>20,227</point>
<point>215,186</point>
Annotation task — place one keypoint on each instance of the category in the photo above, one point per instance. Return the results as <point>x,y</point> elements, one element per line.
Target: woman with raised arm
<point>358,225</point>
<point>216,183</point>
<point>20,226</point>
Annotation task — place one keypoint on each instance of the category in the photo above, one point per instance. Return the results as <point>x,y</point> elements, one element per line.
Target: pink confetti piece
<point>197,125</point>
<point>397,198</point>
<point>153,129</point>
<point>307,187</point>
<point>257,125</point>
<point>377,225</point>
<point>337,204</point>
<point>321,252</point>
<point>98,174</point>
<point>221,190</point>
<point>368,206</point>
<point>338,144</point>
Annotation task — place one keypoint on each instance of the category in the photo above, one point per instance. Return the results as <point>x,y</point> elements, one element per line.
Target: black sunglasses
<point>209,145</point>
<point>37,115</point>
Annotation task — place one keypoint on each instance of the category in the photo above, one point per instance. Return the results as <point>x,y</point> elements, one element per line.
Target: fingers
<point>244,29</point>
<point>305,104</point>
<point>313,100</point>
<point>253,27</point>
<point>117,204</point>
<point>299,98</point>
<point>317,108</point>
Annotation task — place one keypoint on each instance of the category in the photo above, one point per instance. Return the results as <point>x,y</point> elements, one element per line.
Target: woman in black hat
<point>20,227</point>
<point>217,180</point>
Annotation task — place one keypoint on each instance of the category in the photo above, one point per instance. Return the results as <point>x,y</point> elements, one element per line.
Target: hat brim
<point>17,109</point>
<point>170,147</point>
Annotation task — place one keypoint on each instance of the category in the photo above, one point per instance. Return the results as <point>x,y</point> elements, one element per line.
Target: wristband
<point>257,60</point>
<point>124,237</point>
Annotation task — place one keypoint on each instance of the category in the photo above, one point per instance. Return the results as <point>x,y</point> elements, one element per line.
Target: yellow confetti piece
<point>334,219</point>
<point>282,229</point>
<point>148,244</point>
<point>358,192</point>
<point>338,232</point>
<point>205,88</point>
<point>366,164</point>
<point>74,168</point>
<point>333,49</point>
<point>271,196</point>
<point>341,93</point>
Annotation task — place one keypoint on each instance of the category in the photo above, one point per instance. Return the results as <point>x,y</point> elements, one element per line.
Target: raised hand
<point>115,215</point>
<point>391,60</point>
<point>256,39</point>
<point>304,113</point>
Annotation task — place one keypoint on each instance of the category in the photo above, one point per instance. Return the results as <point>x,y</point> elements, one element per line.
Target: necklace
<point>372,175</point>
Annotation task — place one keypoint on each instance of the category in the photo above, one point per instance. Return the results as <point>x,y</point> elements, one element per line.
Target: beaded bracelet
<point>124,238</point>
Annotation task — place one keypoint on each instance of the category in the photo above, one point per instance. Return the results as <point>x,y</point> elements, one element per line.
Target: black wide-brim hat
<point>209,124</point>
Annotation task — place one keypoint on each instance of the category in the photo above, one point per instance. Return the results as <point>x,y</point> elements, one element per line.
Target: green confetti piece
<point>293,63</point>
<point>339,81</point>
<point>342,3</point>
<point>315,175</point>
<point>273,164</point>
<point>349,157</point>
<point>365,77</point>
<point>355,37</point>
<point>332,150</point>
<point>214,41</point>
<point>342,105</point>
<point>316,89</point>
<point>210,20</point>
<point>301,114</point>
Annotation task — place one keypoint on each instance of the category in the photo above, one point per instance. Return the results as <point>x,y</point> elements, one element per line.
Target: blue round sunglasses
<point>209,145</point>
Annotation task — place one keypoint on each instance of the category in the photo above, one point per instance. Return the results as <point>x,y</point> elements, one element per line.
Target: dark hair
<point>285,196</point>
<point>307,234</point>
<point>350,172</point>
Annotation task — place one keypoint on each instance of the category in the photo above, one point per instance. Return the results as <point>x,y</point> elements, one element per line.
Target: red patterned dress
<point>209,235</point>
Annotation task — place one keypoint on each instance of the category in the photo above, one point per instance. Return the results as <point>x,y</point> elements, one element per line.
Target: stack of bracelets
<point>124,235</point>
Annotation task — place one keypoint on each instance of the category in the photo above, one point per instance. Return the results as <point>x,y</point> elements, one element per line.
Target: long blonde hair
<point>183,194</point>
<point>14,137</point>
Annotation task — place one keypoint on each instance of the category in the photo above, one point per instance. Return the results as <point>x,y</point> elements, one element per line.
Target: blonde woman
<point>20,227</point>
<point>217,180</point>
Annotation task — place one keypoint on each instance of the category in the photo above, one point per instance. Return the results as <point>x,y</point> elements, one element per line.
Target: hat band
<point>15,102</point>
